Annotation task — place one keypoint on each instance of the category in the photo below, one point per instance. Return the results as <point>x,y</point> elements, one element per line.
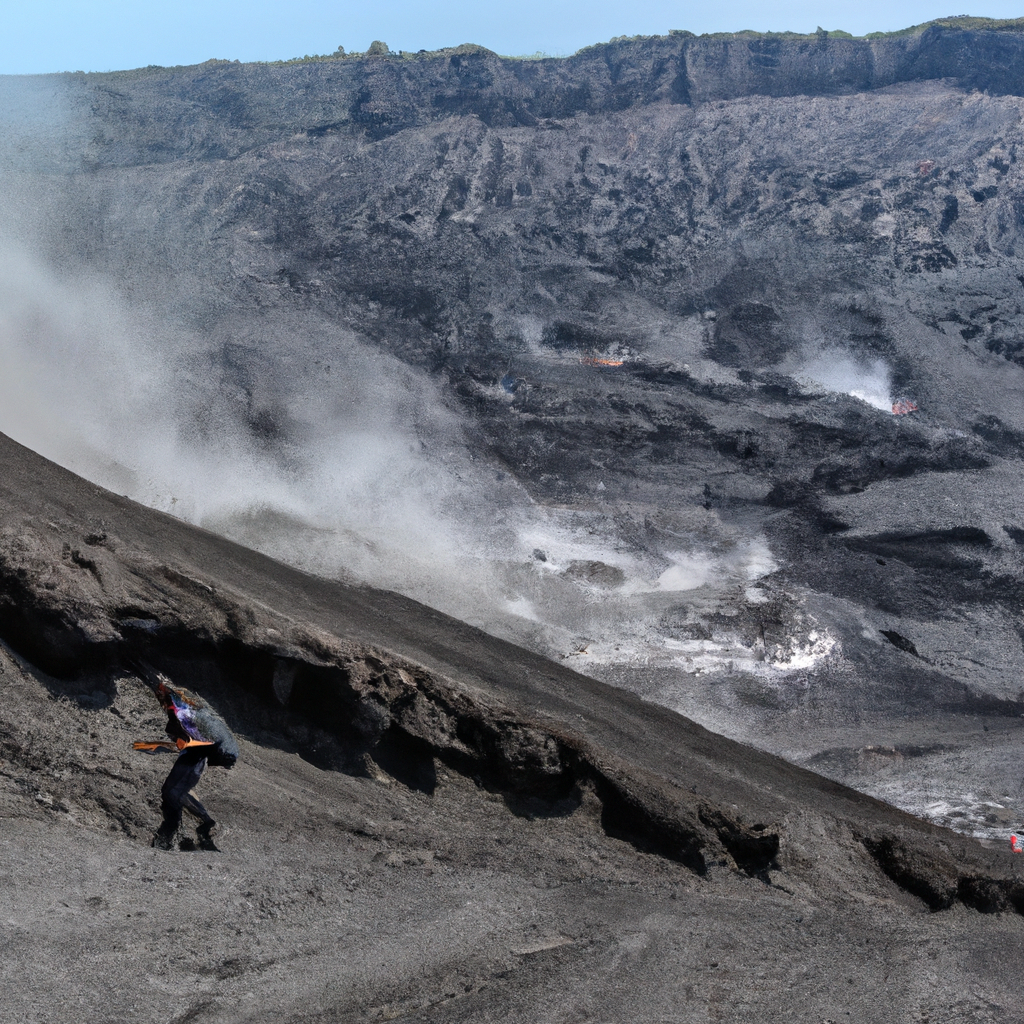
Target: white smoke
<point>294,437</point>
<point>345,464</point>
<point>839,373</point>
<point>334,457</point>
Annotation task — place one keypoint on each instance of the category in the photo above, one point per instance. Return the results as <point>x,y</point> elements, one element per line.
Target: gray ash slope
<point>750,232</point>
<point>427,823</point>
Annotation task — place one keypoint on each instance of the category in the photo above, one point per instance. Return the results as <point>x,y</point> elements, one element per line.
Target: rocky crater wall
<point>682,314</point>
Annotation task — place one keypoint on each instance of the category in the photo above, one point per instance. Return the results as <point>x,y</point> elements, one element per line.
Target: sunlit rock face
<point>694,362</point>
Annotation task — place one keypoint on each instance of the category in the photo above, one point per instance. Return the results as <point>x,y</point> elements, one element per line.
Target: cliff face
<point>220,109</point>
<point>426,198</point>
<point>672,289</point>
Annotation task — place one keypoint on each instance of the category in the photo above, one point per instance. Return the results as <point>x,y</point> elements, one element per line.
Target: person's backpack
<point>191,717</point>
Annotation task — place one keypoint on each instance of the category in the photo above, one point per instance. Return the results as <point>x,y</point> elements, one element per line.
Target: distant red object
<point>1016,845</point>
<point>902,406</point>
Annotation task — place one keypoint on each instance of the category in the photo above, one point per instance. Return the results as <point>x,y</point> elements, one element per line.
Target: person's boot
<point>205,833</point>
<point>164,838</point>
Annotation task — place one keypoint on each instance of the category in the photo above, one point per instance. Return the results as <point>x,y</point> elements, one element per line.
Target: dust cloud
<point>302,441</point>
<point>287,434</point>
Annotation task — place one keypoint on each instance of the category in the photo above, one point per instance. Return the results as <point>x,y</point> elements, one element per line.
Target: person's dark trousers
<point>175,793</point>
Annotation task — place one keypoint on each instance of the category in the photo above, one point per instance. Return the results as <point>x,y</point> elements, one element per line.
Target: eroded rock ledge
<point>346,706</point>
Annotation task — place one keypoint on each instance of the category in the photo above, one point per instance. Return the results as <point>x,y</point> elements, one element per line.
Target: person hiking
<point>203,738</point>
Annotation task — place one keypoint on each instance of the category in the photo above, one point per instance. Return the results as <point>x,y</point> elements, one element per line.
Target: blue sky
<point>70,35</point>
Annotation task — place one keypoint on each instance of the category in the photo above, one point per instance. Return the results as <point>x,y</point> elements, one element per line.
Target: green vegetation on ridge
<point>380,50</point>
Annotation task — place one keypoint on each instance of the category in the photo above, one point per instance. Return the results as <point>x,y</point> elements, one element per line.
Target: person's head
<point>171,696</point>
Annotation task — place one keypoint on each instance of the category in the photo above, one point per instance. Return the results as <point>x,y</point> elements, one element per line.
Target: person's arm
<point>178,744</point>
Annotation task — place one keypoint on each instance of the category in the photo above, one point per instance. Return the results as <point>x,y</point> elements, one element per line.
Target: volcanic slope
<point>427,823</point>
<point>672,288</point>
